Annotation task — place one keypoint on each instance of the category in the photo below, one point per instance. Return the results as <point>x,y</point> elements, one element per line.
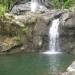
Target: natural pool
<point>34,64</point>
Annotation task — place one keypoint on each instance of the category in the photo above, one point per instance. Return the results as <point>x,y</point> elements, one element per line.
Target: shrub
<point>63,3</point>
<point>5,5</point>
<point>2,9</point>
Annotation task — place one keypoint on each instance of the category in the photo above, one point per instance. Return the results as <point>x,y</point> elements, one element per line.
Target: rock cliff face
<point>67,32</point>
<point>25,32</point>
<point>29,32</point>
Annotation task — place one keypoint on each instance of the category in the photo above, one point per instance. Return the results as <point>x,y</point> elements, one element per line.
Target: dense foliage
<point>5,5</point>
<point>63,3</point>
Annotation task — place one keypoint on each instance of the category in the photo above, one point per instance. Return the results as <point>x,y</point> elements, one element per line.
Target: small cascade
<point>54,37</point>
<point>23,6</point>
<point>37,4</point>
<point>34,5</point>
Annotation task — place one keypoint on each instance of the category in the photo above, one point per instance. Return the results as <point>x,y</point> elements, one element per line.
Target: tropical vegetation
<point>5,5</point>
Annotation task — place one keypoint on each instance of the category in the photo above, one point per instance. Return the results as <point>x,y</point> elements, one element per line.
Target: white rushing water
<point>34,5</point>
<point>53,34</point>
<point>37,4</point>
<point>54,37</point>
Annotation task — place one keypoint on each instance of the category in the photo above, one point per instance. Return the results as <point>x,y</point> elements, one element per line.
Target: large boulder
<point>70,69</point>
<point>7,43</point>
<point>10,34</point>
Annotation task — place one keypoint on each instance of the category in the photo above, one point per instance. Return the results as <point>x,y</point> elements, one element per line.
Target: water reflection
<point>57,63</point>
<point>54,64</point>
<point>34,64</point>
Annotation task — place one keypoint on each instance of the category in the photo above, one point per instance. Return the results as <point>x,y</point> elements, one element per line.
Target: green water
<point>34,64</point>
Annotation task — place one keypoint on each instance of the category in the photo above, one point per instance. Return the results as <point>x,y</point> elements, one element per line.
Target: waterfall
<point>53,34</point>
<point>34,5</point>
<point>54,37</point>
<point>37,4</point>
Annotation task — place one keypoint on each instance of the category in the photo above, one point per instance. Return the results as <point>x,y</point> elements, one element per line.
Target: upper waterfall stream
<point>34,5</point>
<point>37,5</point>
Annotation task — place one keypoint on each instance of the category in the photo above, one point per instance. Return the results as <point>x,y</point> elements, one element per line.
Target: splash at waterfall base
<point>31,31</point>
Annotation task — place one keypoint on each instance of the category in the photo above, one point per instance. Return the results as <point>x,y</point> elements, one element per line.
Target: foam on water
<point>48,52</point>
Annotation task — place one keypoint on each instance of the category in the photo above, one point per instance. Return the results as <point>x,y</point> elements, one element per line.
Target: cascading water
<point>34,5</point>
<point>53,31</point>
<point>37,4</point>
<point>53,34</point>
<point>54,37</point>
